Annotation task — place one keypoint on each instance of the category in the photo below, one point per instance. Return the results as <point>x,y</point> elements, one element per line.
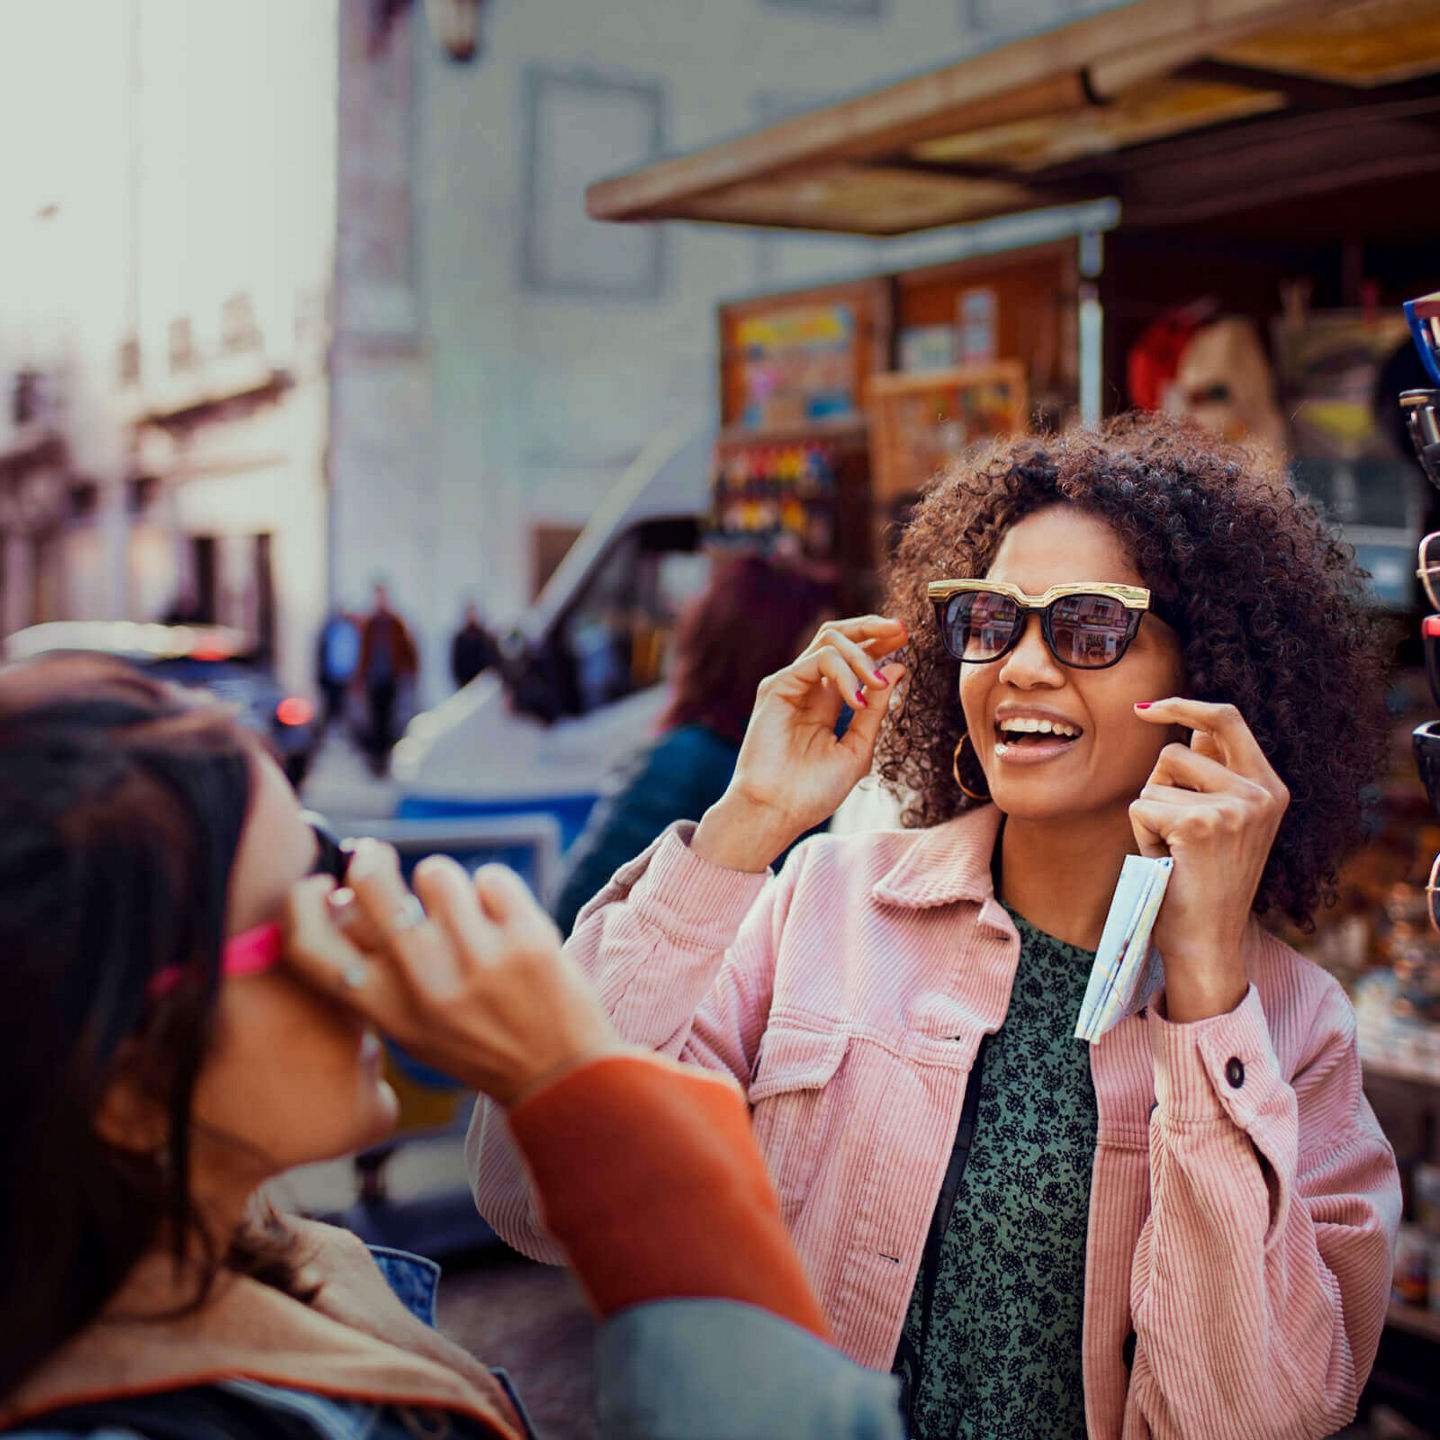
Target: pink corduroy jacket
<point>1244,1200</point>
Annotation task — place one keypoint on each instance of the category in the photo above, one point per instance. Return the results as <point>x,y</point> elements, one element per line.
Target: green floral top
<point>1004,1340</point>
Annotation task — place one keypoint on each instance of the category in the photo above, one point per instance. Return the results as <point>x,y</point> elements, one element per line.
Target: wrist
<point>736,833</point>
<point>530,1085</point>
<point>1201,992</point>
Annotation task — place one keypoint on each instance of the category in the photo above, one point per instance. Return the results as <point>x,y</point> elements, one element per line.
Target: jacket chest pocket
<point>793,1107</point>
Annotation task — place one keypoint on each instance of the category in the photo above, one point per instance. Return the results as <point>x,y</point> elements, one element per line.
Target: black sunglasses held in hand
<point>332,855</point>
<point>1086,626</point>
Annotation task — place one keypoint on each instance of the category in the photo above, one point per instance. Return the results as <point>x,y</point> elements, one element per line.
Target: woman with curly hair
<point>1116,643</point>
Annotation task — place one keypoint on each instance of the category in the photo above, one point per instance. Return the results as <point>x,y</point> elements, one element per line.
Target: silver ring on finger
<point>409,915</point>
<point>354,975</point>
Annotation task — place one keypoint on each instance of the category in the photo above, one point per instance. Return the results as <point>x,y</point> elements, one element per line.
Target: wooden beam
<point>1304,92</point>
<point>1041,76</point>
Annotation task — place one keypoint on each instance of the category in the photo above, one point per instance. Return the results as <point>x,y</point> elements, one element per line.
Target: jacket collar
<point>246,1330</point>
<point>944,864</point>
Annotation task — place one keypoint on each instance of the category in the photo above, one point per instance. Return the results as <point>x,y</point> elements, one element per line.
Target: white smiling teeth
<point>1032,725</point>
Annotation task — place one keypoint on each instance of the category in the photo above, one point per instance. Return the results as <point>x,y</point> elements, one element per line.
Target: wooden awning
<point>1182,108</point>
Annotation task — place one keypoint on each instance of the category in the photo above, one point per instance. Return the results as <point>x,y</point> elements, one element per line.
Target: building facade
<point>498,358</point>
<point>168,223</point>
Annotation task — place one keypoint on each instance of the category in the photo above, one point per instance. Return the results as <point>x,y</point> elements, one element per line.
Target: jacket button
<point>1127,1351</point>
<point>1234,1072</point>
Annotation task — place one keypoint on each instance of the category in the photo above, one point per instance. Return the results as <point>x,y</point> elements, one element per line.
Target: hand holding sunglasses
<point>467,974</point>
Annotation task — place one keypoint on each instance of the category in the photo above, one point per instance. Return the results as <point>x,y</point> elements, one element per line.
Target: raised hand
<point>1215,807</point>
<point>474,983</point>
<point>792,772</point>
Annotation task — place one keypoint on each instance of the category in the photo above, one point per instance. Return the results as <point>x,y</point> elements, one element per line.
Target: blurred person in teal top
<point>753,618</point>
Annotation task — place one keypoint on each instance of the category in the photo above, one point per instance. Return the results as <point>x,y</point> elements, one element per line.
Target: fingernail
<point>365,859</point>
<point>880,677</point>
<point>861,702</point>
<point>1143,704</point>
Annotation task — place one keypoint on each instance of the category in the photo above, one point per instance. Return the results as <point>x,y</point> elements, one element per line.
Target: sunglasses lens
<point>1090,631</point>
<point>1432,896</point>
<point>331,858</point>
<point>979,624</point>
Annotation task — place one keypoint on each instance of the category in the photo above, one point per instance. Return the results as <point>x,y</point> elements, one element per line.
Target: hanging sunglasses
<point>1430,641</point>
<point>1086,626</point>
<point>1421,408</point>
<point>1428,569</point>
<point>1426,740</point>
<point>1432,895</point>
<point>261,946</point>
<point>1423,315</point>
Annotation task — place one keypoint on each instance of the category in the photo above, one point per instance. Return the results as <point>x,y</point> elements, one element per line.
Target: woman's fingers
<point>1188,769</point>
<point>444,888</point>
<point>877,633</point>
<point>1239,750</point>
<point>404,932</point>
<point>511,904</point>
<point>861,661</point>
<point>865,727</point>
<point>317,951</point>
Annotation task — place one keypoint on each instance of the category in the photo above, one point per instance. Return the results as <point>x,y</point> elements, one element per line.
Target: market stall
<point>1277,167</point>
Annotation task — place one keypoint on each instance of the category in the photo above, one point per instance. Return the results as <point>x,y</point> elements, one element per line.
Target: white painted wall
<point>537,400</point>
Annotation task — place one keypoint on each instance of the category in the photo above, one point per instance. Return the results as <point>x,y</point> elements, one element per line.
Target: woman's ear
<point>129,1117</point>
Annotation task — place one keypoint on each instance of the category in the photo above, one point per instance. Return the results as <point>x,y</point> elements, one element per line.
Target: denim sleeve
<point>414,1279</point>
<point>719,1370</point>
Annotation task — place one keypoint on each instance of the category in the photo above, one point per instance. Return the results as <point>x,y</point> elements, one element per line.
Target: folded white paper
<point>1127,969</point>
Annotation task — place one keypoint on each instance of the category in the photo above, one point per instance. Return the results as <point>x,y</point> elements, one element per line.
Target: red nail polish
<point>1143,704</point>
<point>880,677</point>
<point>861,702</point>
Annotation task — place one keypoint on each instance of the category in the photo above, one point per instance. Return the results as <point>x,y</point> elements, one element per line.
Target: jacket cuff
<point>646,1172</point>
<point>695,903</point>
<point>1211,1069</point>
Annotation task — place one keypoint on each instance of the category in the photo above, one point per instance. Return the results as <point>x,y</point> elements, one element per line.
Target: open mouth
<point>1019,736</point>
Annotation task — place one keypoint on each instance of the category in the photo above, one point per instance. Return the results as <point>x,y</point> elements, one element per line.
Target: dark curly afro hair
<point>1271,608</point>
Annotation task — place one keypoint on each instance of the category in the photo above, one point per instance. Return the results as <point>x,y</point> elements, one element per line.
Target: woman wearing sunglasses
<point>168,1052</point>
<point>1130,642</point>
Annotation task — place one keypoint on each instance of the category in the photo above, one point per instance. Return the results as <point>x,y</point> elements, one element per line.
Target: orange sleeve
<point>646,1172</point>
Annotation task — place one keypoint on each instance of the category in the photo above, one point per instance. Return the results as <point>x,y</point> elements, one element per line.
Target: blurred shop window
<point>127,362</point>
<point>238,329</point>
<point>182,345</point>
<point>616,637</point>
<point>578,127</point>
<point>25,403</point>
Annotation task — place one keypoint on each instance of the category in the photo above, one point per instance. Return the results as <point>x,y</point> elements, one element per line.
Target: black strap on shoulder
<point>200,1412</point>
<point>910,1360</point>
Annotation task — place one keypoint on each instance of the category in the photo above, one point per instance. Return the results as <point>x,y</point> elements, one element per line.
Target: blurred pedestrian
<point>387,657</point>
<point>752,619</point>
<point>473,650</point>
<point>337,659</point>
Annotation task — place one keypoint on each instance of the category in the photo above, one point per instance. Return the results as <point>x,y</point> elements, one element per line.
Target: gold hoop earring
<point>964,790</point>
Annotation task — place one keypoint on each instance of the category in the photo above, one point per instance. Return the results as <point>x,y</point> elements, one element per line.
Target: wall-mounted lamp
<point>455,25</point>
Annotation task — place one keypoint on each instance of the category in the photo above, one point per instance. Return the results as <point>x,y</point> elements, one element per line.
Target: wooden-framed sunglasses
<point>1086,626</point>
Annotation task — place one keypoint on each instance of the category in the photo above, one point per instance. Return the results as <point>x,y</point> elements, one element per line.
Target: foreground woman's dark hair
<point>121,809</point>
<point>1272,609</point>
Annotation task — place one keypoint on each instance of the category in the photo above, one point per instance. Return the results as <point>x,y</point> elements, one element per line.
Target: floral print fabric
<point>1004,1340</point>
